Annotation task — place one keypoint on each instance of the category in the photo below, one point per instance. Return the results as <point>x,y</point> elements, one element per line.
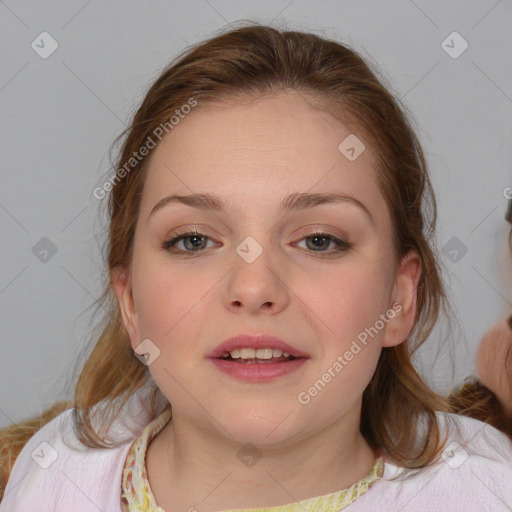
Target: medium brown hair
<point>247,62</point>
<point>476,400</point>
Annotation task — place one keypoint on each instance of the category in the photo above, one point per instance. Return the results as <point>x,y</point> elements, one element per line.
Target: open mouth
<point>281,359</point>
<point>259,367</point>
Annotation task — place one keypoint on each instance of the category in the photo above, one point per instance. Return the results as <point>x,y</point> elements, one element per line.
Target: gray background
<point>59,116</point>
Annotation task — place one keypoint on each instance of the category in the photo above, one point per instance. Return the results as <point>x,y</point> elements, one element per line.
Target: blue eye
<point>318,241</point>
<point>197,243</point>
<point>194,237</point>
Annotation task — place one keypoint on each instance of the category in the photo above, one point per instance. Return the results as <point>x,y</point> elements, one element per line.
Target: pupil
<point>196,238</point>
<point>319,237</point>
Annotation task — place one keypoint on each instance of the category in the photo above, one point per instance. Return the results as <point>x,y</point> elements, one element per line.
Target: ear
<point>403,300</point>
<point>121,282</point>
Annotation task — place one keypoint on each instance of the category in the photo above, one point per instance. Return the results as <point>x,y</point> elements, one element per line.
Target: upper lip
<point>255,342</point>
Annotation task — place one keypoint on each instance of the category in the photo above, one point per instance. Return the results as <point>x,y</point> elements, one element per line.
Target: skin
<point>490,362</point>
<point>252,154</point>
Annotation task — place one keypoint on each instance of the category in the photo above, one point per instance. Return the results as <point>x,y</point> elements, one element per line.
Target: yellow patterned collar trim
<point>137,495</point>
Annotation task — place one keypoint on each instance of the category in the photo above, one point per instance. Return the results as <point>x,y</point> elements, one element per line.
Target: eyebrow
<point>295,201</point>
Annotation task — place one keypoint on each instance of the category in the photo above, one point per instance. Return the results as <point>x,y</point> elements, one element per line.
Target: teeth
<point>247,353</point>
<point>251,353</point>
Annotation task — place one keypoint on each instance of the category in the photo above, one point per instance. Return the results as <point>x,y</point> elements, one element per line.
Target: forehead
<point>255,150</point>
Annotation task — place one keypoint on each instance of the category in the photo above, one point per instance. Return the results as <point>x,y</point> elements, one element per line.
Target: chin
<point>263,426</point>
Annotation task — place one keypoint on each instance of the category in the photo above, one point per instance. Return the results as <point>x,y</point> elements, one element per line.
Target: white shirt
<point>54,472</point>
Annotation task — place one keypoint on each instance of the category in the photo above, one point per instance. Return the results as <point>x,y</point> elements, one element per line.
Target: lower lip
<point>258,372</point>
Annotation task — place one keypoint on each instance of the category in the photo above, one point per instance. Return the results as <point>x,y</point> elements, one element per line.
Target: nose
<point>257,284</point>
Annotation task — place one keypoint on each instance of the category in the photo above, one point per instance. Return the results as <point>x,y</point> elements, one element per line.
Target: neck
<point>189,467</point>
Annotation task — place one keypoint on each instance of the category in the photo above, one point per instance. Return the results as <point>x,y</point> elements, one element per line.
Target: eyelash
<point>342,245</point>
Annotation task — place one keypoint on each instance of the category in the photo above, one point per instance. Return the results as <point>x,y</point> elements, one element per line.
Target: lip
<point>257,372</point>
<point>256,342</point>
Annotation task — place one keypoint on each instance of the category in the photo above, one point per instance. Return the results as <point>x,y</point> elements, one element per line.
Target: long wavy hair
<point>249,61</point>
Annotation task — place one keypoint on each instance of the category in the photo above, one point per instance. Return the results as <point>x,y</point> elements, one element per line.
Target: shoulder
<point>54,471</point>
<point>482,445</point>
<point>474,473</point>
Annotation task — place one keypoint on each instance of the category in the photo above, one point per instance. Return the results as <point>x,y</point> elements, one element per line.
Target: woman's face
<point>257,268</point>
<point>494,362</point>
<point>494,352</point>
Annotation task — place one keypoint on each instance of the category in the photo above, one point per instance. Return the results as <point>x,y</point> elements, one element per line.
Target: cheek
<point>347,300</point>
<point>163,294</point>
